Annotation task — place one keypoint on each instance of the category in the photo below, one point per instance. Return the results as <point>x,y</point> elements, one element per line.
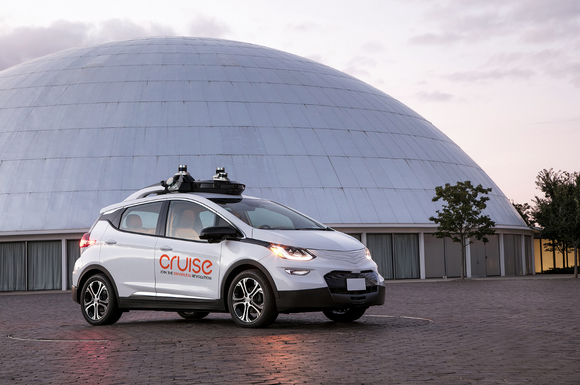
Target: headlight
<point>289,252</point>
<point>368,254</point>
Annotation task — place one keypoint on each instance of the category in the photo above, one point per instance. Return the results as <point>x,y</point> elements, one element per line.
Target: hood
<point>309,239</point>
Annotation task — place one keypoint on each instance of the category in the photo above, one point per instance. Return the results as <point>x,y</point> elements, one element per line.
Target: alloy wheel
<point>248,300</point>
<point>96,300</point>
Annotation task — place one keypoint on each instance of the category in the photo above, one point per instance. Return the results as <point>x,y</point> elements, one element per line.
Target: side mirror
<point>217,234</point>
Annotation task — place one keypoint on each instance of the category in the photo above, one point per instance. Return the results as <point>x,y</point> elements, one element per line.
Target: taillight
<point>86,241</point>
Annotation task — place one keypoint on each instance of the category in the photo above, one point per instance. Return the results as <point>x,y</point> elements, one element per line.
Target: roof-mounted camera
<point>221,175</point>
<point>182,181</point>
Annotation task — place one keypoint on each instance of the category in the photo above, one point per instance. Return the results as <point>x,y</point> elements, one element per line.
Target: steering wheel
<point>265,227</point>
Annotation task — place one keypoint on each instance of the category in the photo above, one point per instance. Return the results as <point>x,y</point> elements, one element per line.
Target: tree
<point>525,211</point>
<point>558,212</point>
<point>460,218</point>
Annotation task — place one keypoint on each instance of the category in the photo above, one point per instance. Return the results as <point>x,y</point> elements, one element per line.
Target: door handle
<point>111,242</point>
<point>165,248</point>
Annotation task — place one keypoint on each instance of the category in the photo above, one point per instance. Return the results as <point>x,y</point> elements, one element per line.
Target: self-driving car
<point>200,246</point>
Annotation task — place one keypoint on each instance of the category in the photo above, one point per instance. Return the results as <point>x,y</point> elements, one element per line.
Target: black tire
<point>345,315</point>
<point>251,300</point>
<point>193,315</point>
<point>98,301</point>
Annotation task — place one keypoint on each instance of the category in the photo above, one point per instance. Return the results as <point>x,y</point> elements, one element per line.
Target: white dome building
<point>86,127</point>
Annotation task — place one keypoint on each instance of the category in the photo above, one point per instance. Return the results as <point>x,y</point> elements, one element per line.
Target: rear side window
<point>141,219</point>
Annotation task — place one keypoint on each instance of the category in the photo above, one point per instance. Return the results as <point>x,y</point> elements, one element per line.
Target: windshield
<point>263,214</point>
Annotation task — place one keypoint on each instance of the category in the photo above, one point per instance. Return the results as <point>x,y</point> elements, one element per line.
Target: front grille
<point>336,281</point>
<point>353,256</point>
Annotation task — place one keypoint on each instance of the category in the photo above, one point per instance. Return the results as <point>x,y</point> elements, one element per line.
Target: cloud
<point>496,74</point>
<point>435,39</point>
<point>531,21</point>
<point>434,96</point>
<point>373,47</point>
<point>546,11</point>
<point>304,27</point>
<point>360,66</point>
<point>115,29</point>
<point>457,21</point>
<point>26,43</point>
<point>316,57</point>
<point>208,27</point>
<point>554,63</point>
<point>520,38</point>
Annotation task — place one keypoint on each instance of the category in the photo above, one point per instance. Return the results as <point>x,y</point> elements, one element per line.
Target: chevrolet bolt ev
<point>199,246</point>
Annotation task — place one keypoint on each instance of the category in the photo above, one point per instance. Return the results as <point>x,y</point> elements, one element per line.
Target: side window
<point>186,220</point>
<point>141,219</point>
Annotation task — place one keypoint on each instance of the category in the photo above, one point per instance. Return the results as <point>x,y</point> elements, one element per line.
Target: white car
<point>199,246</point>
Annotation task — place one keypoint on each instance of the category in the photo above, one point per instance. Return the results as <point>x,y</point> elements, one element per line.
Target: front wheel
<point>192,315</point>
<point>345,315</point>
<point>251,300</point>
<point>98,302</point>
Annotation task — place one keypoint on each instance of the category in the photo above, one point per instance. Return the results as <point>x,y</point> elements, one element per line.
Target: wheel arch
<point>88,272</point>
<point>235,269</point>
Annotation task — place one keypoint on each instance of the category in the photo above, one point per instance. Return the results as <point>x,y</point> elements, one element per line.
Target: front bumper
<point>295,301</point>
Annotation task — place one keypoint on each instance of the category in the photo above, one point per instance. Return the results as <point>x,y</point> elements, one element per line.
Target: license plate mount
<point>355,284</point>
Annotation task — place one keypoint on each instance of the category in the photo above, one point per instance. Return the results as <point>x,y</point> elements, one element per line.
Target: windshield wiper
<point>314,228</point>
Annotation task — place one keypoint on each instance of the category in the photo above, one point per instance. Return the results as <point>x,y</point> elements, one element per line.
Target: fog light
<point>296,272</point>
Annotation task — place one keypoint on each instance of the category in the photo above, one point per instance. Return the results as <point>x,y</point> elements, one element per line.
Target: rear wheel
<point>98,302</point>
<point>192,315</point>
<point>348,314</point>
<point>251,300</point>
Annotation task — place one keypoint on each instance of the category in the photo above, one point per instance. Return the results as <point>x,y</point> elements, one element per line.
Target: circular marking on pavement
<point>400,316</point>
<point>51,340</point>
<point>142,328</point>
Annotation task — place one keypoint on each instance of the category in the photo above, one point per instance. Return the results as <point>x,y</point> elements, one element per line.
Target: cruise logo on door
<point>185,267</point>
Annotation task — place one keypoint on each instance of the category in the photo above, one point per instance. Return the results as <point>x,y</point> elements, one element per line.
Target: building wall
<point>404,253</point>
<point>45,262</point>
<point>38,263</point>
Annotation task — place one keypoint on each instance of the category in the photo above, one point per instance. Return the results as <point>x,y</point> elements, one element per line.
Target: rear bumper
<point>73,291</point>
<point>320,299</point>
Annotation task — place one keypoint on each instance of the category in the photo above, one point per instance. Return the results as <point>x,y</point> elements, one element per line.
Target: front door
<point>186,266</point>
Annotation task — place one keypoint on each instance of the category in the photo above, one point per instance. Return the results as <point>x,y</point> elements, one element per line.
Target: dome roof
<point>83,128</point>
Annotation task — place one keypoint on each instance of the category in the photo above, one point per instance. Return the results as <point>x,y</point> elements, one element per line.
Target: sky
<point>501,78</point>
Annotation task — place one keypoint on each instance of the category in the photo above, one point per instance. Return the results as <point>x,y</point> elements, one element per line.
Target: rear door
<point>186,266</point>
<point>128,252</point>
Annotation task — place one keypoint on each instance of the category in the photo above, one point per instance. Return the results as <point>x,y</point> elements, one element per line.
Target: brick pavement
<point>482,331</point>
